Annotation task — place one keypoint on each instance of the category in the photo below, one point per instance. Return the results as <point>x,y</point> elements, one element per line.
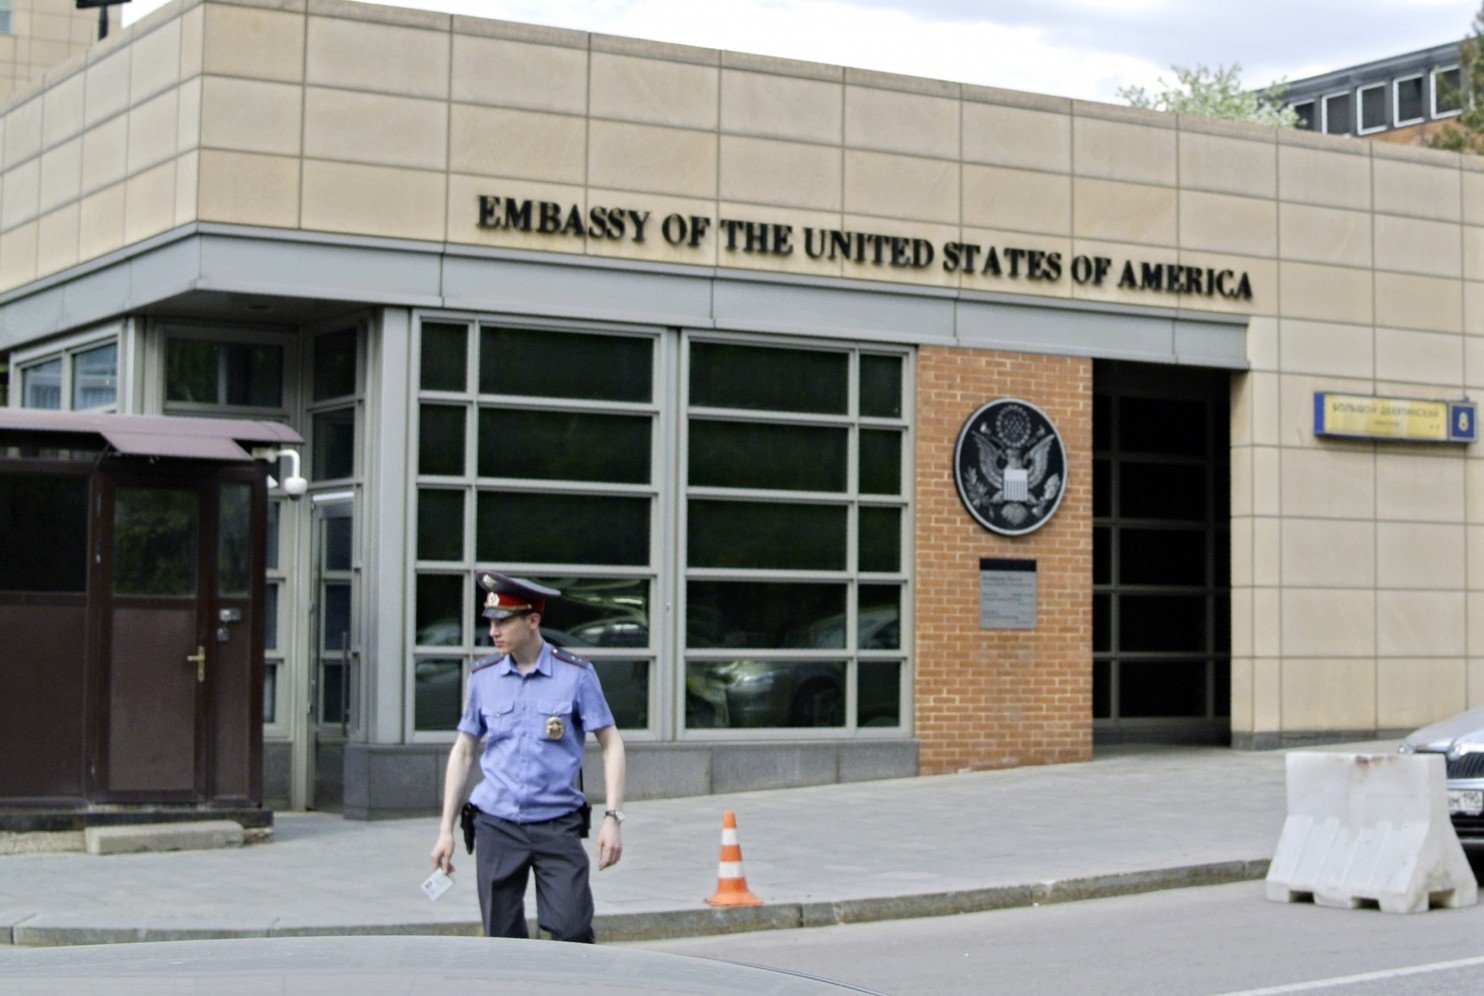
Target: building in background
<point>1399,99</point>
<point>695,336</point>
<point>36,35</point>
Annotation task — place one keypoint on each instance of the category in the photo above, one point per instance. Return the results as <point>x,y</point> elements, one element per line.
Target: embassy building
<point>872,426</point>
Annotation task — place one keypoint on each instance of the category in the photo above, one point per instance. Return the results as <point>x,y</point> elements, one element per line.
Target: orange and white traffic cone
<point>731,884</point>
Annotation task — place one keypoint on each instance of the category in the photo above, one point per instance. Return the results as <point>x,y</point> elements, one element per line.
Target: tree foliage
<point>1465,133</point>
<point>1215,93</point>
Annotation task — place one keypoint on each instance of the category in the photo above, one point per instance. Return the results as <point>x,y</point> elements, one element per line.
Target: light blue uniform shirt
<point>529,774</point>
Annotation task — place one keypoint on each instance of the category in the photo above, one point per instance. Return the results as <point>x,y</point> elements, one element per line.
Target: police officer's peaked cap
<point>504,597</point>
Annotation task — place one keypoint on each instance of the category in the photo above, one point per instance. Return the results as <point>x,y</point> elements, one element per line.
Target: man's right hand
<point>443,851</point>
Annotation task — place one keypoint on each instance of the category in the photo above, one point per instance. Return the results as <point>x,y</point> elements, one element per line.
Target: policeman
<point>534,705</point>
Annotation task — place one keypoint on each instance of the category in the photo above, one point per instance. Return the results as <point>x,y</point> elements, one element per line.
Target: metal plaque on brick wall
<point>1010,467</point>
<point>1007,593</point>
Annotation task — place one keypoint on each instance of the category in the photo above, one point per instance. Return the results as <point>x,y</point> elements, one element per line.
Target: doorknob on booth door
<point>199,659</point>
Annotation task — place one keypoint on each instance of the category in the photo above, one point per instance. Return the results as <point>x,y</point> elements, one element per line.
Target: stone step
<point>199,835</point>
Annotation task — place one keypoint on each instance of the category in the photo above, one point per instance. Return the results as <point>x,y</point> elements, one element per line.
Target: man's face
<point>515,632</point>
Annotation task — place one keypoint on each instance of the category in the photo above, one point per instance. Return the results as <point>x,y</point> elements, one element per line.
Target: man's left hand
<point>610,843</point>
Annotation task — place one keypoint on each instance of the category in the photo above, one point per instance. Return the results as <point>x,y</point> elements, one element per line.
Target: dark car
<point>1461,742</point>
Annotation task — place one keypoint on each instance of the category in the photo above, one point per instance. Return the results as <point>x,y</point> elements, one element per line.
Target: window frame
<point>471,484</point>
<point>66,350</point>
<point>1432,94</point>
<point>1349,115</point>
<point>1360,95</point>
<point>289,340</point>
<point>1396,100</point>
<point>1315,113</point>
<point>851,576</point>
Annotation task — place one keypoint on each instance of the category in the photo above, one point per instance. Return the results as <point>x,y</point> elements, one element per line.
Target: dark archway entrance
<point>1161,554</point>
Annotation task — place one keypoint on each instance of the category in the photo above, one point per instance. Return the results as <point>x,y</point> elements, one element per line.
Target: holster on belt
<point>466,823</point>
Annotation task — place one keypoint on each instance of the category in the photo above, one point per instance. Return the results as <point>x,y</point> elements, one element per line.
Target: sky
<point>1088,49</point>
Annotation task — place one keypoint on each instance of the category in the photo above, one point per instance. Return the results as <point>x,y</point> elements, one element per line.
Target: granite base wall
<point>390,781</point>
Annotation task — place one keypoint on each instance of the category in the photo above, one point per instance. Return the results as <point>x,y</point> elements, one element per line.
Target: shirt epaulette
<point>485,662</point>
<point>567,656</point>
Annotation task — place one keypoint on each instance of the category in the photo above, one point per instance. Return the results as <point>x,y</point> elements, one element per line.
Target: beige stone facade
<point>1356,567</point>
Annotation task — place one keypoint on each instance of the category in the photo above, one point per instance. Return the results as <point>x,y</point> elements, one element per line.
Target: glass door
<point>334,643</point>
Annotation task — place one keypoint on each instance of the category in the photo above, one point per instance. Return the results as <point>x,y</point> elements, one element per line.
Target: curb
<point>669,924</point>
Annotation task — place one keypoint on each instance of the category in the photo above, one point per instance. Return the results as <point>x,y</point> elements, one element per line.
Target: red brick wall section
<point>1001,698</point>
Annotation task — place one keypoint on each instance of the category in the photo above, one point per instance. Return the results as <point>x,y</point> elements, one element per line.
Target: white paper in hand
<point>436,884</point>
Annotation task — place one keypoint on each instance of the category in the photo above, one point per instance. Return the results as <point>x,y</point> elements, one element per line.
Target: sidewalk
<point>1134,821</point>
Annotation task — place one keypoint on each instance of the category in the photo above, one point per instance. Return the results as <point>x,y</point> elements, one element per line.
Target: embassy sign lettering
<point>860,248</point>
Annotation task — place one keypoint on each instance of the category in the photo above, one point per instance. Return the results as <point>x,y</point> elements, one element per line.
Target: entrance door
<point>156,576</point>
<point>333,650</point>
<point>1161,536</point>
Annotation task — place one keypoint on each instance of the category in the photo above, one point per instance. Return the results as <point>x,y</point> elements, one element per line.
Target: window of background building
<point>81,376</point>
<point>1447,92</point>
<point>1408,98</point>
<point>1373,115</point>
<point>7,15</point>
<point>1337,117</point>
<point>1306,115</point>
<point>223,373</point>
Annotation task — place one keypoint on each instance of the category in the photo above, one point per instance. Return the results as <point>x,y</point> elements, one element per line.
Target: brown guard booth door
<point>157,581</point>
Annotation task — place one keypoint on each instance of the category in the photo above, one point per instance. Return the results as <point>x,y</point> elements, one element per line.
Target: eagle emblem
<point>1010,466</point>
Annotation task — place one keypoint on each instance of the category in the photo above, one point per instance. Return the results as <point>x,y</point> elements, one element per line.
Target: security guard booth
<point>131,618</point>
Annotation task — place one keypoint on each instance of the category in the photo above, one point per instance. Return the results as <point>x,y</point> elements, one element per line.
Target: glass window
<point>95,375</point>
<point>597,612</point>
<point>1306,112</point>
<point>724,375</point>
<point>564,446</point>
<point>1162,491</point>
<point>336,626</point>
<point>768,456</point>
<point>747,694</point>
<point>1447,92</point>
<point>440,610</point>
<point>1337,119</point>
<point>440,524</point>
<point>204,372</point>
<point>626,687</point>
<point>881,462</point>
<point>338,537</point>
<point>1373,107</point>
<point>7,12</point>
<point>546,364</point>
<point>438,693</point>
<point>1162,556</point>
<point>765,614</point>
<point>1409,100</point>
<point>270,692</point>
<point>41,385</point>
<point>881,386</point>
<point>234,539</point>
<point>879,693</point>
<point>444,357</point>
<point>44,519</point>
<point>154,541</point>
<point>1161,688</point>
<point>270,615</point>
<point>335,365</point>
<point>753,534</point>
<point>275,513</point>
<point>561,528</point>
<point>880,539</point>
<point>1162,623</point>
<point>334,441</point>
<point>879,617</point>
<point>440,439</point>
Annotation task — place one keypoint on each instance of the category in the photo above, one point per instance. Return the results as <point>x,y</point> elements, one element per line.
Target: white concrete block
<point>198,835</point>
<point>1370,829</point>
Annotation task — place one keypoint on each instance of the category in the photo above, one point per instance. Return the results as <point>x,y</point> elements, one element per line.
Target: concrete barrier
<point>1370,830</point>
<point>193,836</point>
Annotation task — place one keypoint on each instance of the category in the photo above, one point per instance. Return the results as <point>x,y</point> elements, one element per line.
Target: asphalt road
<point>1215,940</point>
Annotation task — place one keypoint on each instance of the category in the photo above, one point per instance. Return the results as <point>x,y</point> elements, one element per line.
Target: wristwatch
<point>617,814</point>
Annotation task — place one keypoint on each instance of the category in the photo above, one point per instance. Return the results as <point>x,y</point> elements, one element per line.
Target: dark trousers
<point>505,852</point>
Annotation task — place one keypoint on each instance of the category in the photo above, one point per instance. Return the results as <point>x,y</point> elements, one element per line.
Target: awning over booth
<point>220,439</point>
